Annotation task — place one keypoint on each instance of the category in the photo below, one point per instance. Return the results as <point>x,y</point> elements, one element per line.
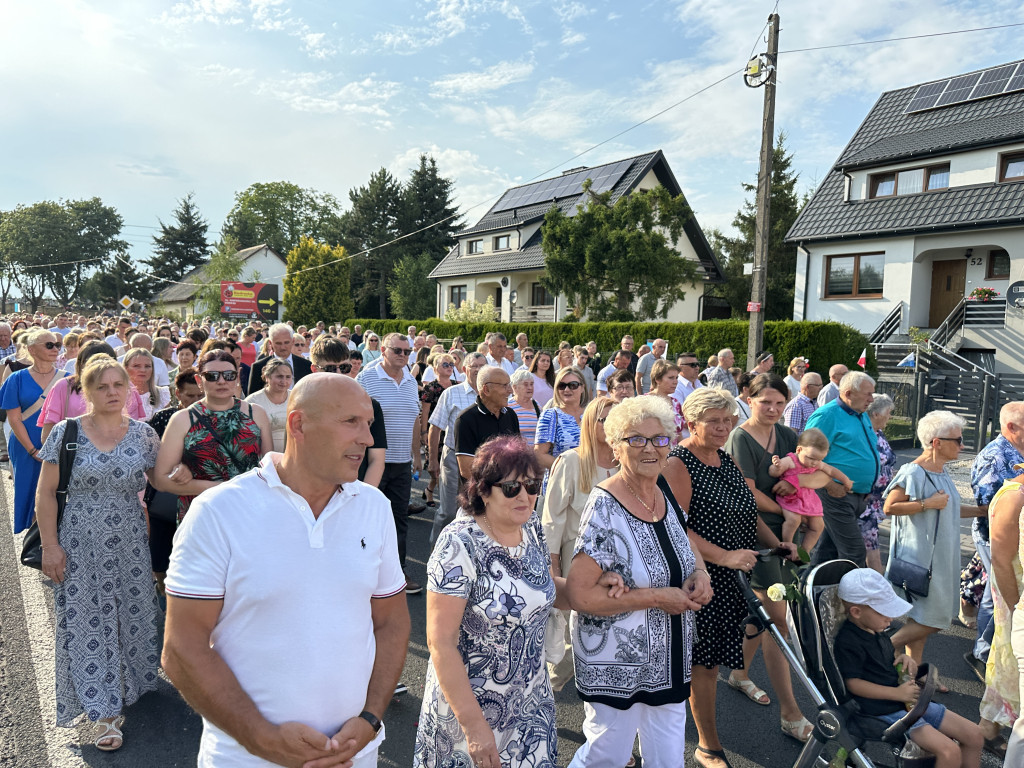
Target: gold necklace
<point>637,496</point>
<point>494,536</point>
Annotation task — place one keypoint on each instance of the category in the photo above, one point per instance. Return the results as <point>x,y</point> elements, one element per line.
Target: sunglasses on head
<point>218,375</point>
<point>336,368</point>
<point>52,344</point>
<point>573,385</point>
<point>511,488</point>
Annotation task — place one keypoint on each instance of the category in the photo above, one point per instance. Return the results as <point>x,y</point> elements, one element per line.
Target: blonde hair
<point>94,370</point>
<point>587,449</point>
<point>570,370</point>
<point>813,438</point>
<point>705,399</point>
<point>154,393</point>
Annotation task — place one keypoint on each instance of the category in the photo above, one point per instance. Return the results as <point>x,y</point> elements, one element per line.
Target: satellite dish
<point>758,71</point>
<point>513,297</point>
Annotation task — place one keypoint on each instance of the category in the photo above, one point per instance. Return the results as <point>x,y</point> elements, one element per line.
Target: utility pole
<point>762,229</point>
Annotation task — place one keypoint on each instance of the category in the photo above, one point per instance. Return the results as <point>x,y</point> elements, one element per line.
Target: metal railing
<point>889,327</point>
<point>991,313</point>
<point>540,314</point>
<point>951,326</point>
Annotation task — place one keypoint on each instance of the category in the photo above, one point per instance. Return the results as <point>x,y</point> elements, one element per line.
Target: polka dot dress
<point>724,513</point>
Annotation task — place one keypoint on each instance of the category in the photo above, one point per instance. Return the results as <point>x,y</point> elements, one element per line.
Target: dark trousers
<point>396,484</point>
<point>841,538</point>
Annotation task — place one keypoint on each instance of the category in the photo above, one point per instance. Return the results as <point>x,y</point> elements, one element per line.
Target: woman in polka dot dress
<point>723,524</point>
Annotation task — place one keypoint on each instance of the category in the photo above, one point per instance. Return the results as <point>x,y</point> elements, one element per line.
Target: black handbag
<point>32,546</point>
<point>914,579</point>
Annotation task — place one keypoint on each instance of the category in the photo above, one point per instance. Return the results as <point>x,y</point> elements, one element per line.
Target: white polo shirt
<point>296,627</point>
<point>505,364</point>
<point>452,402</point>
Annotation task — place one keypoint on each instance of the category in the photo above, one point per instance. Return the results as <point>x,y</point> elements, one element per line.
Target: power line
<point>908,37</point>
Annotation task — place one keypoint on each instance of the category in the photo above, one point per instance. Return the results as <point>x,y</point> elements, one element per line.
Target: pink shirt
<point>53,412</point>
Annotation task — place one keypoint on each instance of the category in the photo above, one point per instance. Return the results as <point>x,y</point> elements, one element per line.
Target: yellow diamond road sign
<point>125,302</point>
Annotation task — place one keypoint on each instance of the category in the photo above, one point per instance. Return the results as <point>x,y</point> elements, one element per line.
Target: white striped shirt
<point>400,404</point>
<point>452,402</point>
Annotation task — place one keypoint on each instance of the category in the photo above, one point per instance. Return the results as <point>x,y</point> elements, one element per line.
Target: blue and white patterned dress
<point>107,651</point>
<point>508,594</point>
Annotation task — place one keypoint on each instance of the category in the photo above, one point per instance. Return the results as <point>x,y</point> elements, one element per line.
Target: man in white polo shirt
<point>287,623</point>
<point>497,345</point>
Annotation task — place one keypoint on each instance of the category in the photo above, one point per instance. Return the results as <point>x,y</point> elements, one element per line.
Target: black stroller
<point>817,620</point>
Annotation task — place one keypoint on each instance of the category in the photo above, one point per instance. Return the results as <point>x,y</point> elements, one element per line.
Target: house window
<point>475,246</point>
<point>910,181</point>
<point>501,243</point>
<point>457,295</point>
<point>541,296</point>
<point>1011,168</point>
<point>998,265</point>
<point>854,277</point>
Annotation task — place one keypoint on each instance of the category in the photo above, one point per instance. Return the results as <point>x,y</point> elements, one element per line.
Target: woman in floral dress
<point>214,439</point>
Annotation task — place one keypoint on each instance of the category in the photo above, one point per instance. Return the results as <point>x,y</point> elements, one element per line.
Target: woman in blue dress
<point>22,395</point>
<point>558,428</point>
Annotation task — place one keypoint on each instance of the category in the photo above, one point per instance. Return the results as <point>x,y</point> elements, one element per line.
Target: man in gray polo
<point>643,368</point>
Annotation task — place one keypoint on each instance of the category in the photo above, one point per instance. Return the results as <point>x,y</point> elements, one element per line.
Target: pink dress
<point>805,501</point>
<point>53,411</point>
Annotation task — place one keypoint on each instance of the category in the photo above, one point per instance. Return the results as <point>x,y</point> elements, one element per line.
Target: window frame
<point>534,287</point>
<point>856,277</point>
<point>475,247</point>
<point>1004,163</point>
<point>989,272</point>
<point>464,291</point>
<point>495,243</point>
<point>927,170</point>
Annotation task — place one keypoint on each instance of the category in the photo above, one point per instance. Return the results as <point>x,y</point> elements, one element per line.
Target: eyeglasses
<point>689,365</point>
<point>639,441</point>
<point>400,351</point>
<point>52,344</point>
<point>339,368</point>
<point>957,440</point>
<point>218,375</point>
<point>447,365</point>
<point>573,385</point>
<point>623,388</point>
<point>511,488</point>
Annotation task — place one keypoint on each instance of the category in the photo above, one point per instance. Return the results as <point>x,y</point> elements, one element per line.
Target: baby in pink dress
<point>804,506</point>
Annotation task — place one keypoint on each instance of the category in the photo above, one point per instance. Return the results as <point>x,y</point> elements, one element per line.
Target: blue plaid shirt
<point>798,411</point>
<point>992,466</point>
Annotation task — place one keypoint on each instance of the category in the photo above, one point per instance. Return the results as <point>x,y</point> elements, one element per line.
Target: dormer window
<point>502,243</point>
<point>1011,167</point>
<point>475,246</point>
<point>910,181</point>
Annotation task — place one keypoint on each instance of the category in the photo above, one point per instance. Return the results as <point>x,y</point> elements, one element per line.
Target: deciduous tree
<point>181,245</point>
<point>224,264</point>
<point>616,261</point>
<point>280,213</point>
<point>318,284</point>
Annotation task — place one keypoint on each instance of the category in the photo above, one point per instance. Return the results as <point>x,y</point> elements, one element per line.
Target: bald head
<point>317,393</point>
<point>836,373</point>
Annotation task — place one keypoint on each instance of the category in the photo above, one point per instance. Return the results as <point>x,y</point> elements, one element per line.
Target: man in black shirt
<point>487,417</point>
<point>868,663</point>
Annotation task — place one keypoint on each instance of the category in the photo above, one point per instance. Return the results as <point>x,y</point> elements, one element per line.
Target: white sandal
<point>111,730</point>
<point>797,728</point>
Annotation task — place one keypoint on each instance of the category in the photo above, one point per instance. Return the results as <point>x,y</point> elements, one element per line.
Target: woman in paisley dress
<point>106,607</point>
<point>195,455</point>
<point>632,655</point>
<point>487,700</point>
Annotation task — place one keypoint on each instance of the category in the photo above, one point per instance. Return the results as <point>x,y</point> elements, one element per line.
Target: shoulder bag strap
<point>203,419</point>
<point>39,403</point>
<point>663,484</point>
<point>66,460</point>
<point>935,533</point>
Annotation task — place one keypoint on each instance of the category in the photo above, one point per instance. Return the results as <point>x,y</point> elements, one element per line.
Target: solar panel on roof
<point>1017,81</point>
<point>1005,78</point>
<point>993,81</point>
<point>926,96</point>
<point>604,178</point>
<point>959,89</point>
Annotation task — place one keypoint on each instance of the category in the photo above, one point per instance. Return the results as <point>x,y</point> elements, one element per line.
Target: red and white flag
<point>862,361</point>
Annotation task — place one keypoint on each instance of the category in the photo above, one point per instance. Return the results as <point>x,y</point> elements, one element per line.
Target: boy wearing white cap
<point>867,662</point>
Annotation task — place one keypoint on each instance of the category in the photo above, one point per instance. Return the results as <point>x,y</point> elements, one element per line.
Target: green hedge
<point>825,344</point>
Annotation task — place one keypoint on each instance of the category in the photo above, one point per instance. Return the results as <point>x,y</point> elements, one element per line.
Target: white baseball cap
<point>866,586</point>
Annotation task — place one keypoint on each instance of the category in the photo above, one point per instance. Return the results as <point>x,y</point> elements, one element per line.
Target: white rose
<point>776,593</point>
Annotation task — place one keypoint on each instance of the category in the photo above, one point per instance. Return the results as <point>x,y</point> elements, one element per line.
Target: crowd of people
<point>590,513</point>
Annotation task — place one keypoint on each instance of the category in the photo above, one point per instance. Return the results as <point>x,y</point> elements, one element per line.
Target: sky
<point>140,102</point>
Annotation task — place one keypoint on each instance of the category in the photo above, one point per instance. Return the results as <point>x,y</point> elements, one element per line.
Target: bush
<point>825,344</point>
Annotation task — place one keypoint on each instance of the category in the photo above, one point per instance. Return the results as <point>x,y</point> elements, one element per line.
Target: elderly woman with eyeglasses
<point>632,654</point>
<point>487,701</point>
<point>925,508</point>
<point>22,395</point>
<point>214,439</point>
<point>558,428</point>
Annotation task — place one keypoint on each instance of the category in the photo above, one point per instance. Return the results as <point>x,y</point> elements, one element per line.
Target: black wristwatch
<point>372,719</point>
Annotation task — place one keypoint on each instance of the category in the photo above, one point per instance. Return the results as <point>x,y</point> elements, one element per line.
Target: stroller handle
<point>895,732</point>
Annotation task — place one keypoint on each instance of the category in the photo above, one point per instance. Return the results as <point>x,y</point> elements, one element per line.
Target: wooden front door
<point>949,279</point>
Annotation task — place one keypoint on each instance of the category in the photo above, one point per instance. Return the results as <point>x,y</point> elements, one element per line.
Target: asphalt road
<point>161,731</point>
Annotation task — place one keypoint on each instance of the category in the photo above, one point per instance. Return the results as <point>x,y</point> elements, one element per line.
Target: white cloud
<point>476,185</point>
<point>448,19</point>
<point>493,78</point>
<point>317,92</point>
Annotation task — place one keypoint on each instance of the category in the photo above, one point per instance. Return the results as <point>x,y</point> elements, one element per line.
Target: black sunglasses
<point>400,351</point>
<point>957,440</point>
<point>573,385</point>
<point>689,365</point>
<point>52,344</point>
<point>218,375</point>
<point>339,368</point>
<point>511,488</point>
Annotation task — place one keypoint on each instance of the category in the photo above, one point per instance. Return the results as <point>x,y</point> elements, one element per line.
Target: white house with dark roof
<point>925,204</point>
<point>259,261</point>
<point>501,256</point>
